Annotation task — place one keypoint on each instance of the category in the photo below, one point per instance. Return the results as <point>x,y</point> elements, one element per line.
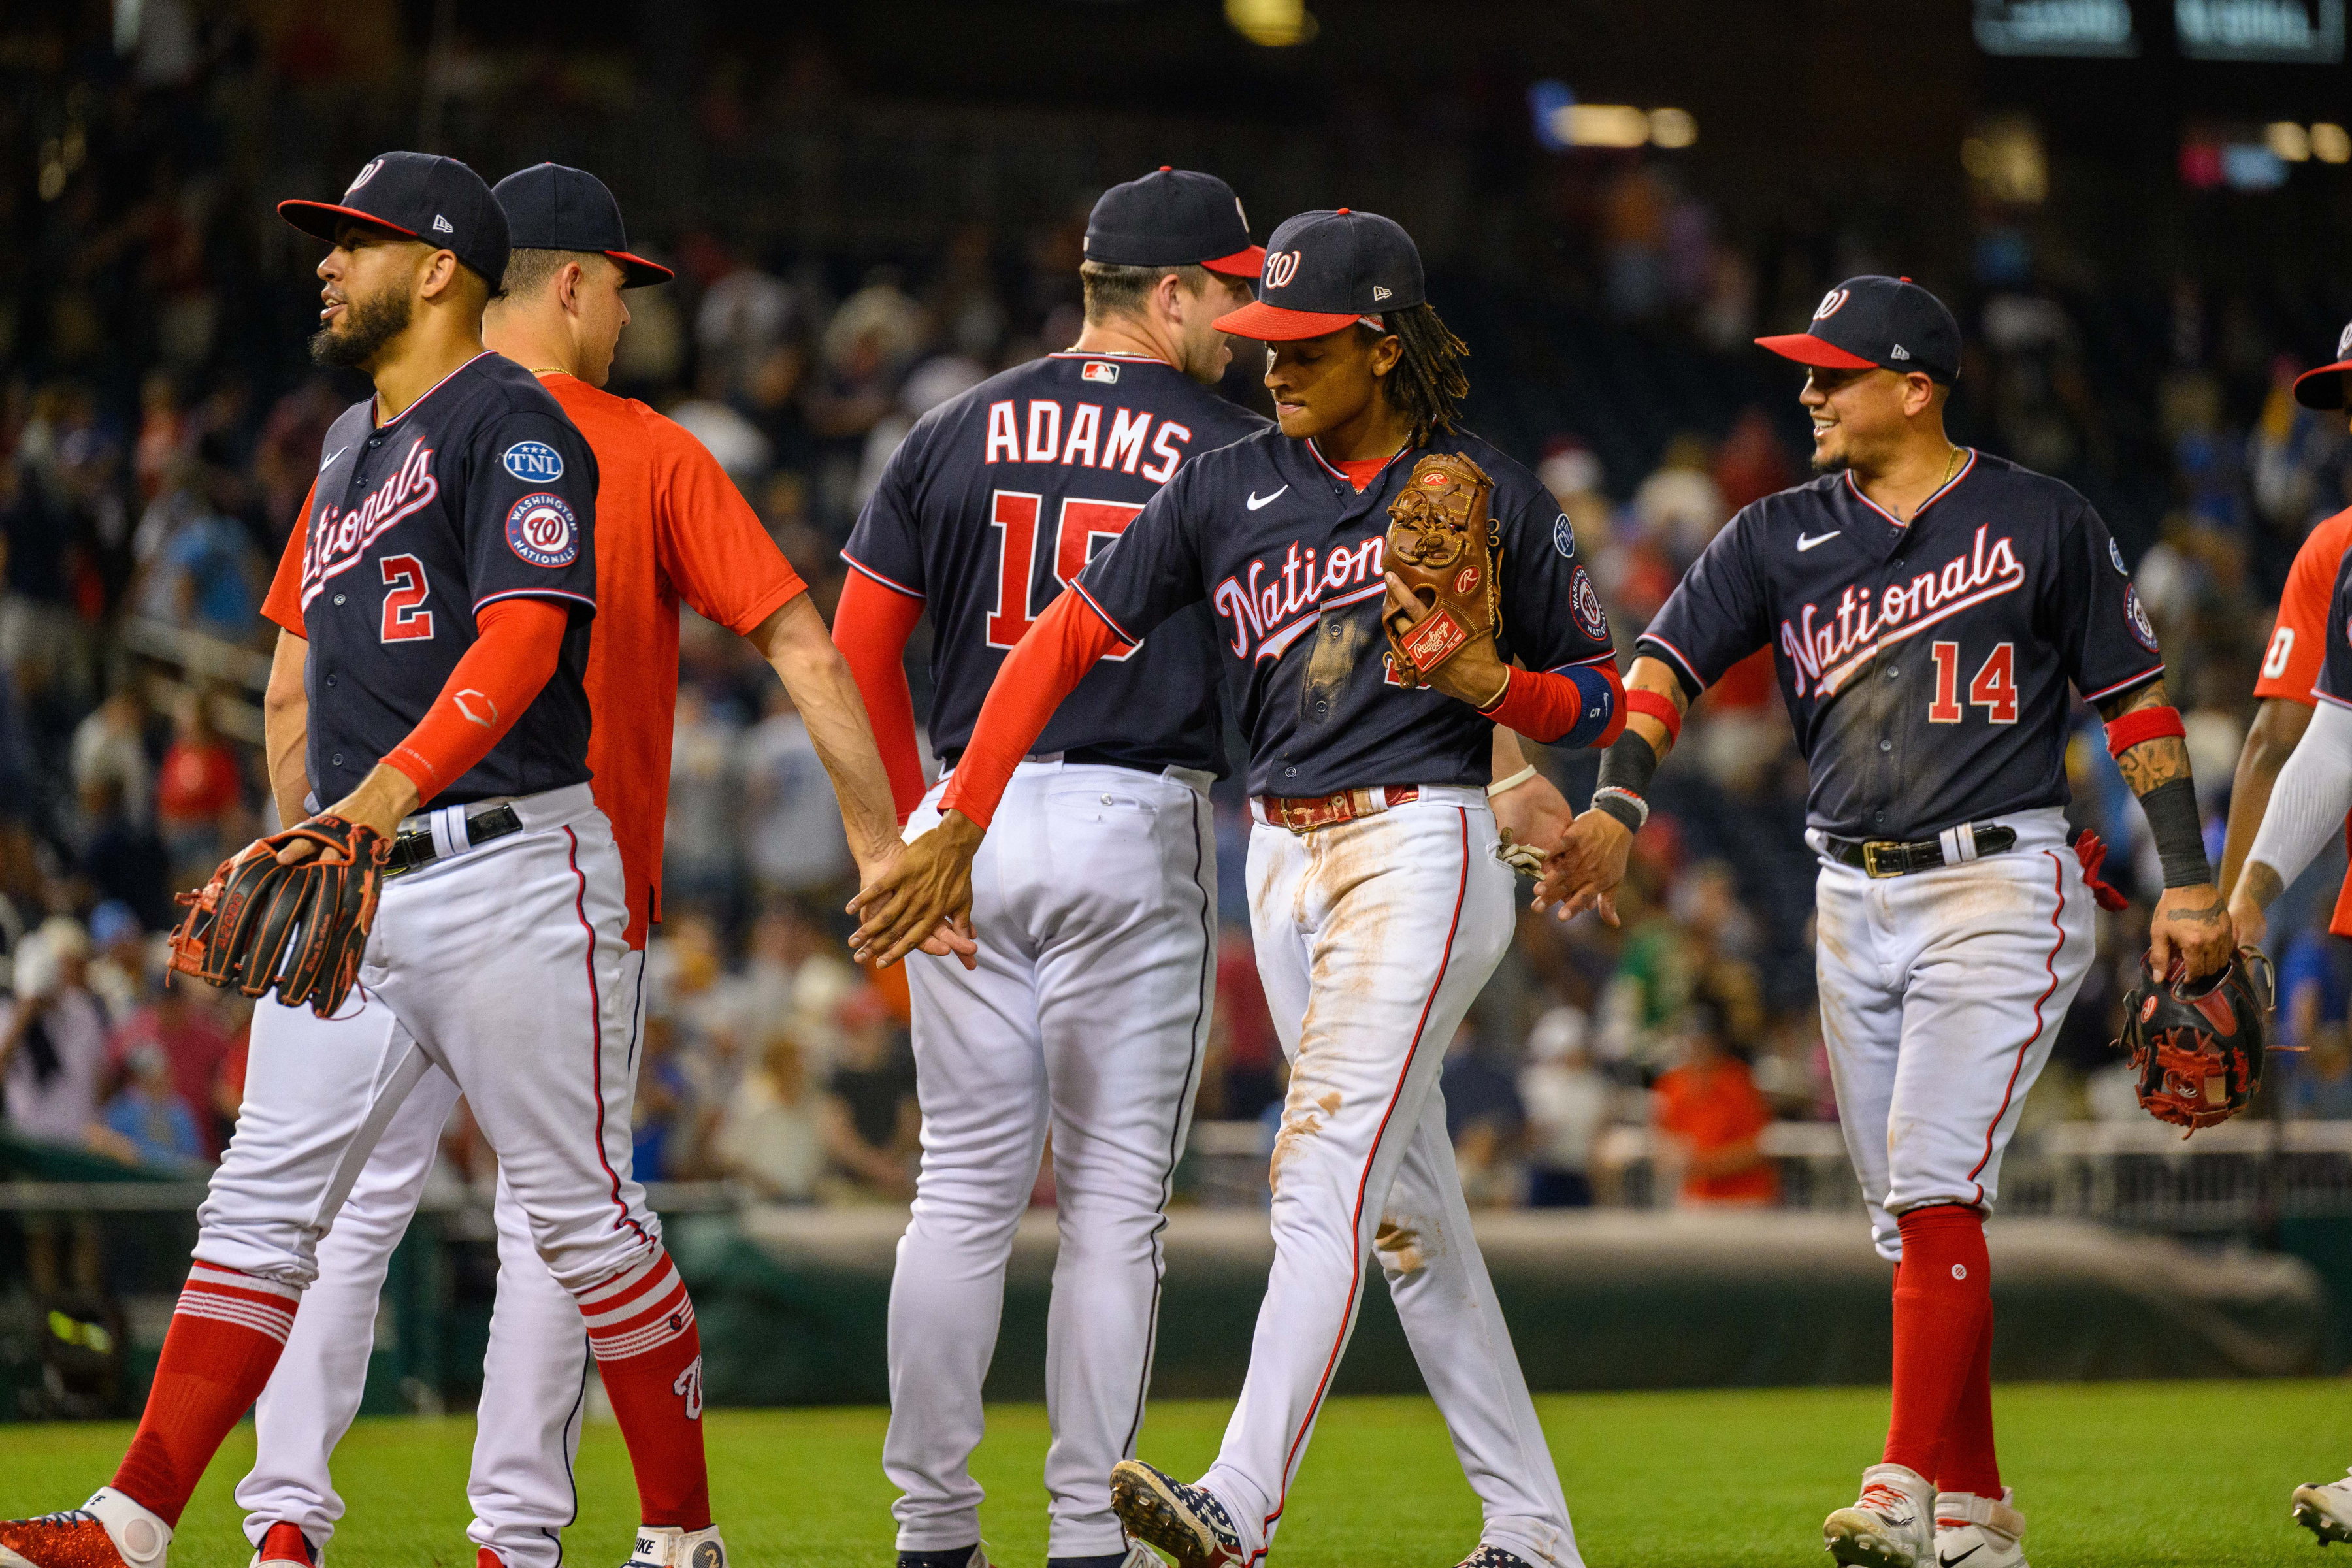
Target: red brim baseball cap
<point>1807,349</point>
<point>1247,262</point>
<point>1273,325</point>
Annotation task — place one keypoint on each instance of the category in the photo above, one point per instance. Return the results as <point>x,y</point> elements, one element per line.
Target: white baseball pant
<point>1373,939</point>
<point>534,1377</point>
<point>1094,899</point>
<point>1941,996</point>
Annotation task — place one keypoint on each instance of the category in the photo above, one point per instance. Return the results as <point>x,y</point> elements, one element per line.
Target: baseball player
<point>1927,605</point>
<point>670,526</point>
<point>1379,905</point>
<point>1089,1010</point>
<point>448,578</point>
<point>2302,686</point>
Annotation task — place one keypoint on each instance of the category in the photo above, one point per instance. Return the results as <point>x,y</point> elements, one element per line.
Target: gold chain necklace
<point>548,370</point>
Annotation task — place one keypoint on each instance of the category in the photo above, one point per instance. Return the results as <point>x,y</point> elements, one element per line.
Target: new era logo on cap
<point>1378,293</point>
<point>441,225</point>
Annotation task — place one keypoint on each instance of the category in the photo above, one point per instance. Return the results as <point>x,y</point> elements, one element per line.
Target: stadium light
<point>2330,143</point>
<point>1605,125</point>
<point>1274,24</point>
<point>1672,127</point>
<point>2287,140</point>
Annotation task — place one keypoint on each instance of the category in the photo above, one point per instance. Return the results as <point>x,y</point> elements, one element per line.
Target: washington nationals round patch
<point>1563,536</point>
<point>539,530</point>
<point>2137,616</point>
<point>1590,618</point>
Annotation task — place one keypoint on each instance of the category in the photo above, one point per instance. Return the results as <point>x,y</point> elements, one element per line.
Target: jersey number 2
<point>405,591</point>
<point>1993,689</point>
<point>1015,513</point>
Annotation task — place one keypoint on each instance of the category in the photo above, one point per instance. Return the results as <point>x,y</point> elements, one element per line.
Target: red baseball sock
<point>1943,1300</point>
<point>225,1336</point>
<point>641,1331</point>
<point>1968,1464</point>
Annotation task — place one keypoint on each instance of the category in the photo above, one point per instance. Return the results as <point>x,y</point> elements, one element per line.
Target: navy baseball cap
<point>1173,217</point>
<point>551,207</point>
<point>1326,271</point>
<point>2327,386</point>
<point>1869,322</point>
<point>437,200</point>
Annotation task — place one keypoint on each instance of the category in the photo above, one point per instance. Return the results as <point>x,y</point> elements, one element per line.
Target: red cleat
<point>109,1531</point>
<point>284,1546</point>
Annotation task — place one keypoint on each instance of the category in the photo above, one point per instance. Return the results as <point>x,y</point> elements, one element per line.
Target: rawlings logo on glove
<point>299,929</point>
<point>1441,546</point>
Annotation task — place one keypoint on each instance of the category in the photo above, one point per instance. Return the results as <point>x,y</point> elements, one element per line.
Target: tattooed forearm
<point>2138,697</point>
<point>2260,884</point>
<point>2151,763</point>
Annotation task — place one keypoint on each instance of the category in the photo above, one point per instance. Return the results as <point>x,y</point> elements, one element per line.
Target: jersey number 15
<point>1015,514</point>
<point>1992,688</point>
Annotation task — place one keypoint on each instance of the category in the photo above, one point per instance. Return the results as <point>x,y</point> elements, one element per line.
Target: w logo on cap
<point>2344,344</point>
<point>1831,303</point>
<point>1280,268</point>
<point>365,176</point>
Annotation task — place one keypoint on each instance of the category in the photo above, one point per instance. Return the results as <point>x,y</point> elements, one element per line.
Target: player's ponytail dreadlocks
<point>1427,384</point>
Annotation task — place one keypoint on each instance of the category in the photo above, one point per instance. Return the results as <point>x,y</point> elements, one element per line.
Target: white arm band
<point>2312,795</point>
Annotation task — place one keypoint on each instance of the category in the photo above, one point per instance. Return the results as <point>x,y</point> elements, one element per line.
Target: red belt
<point>1305,813</point>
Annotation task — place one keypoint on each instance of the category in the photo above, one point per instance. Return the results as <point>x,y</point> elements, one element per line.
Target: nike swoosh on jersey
<point>331,457</point>
<point>1805,542</point>
<point>1255,502</point>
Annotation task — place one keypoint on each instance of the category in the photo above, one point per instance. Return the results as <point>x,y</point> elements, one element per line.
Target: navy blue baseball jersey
<point>999,498</point>
<point>1923,665</point>
<point>1287,554</point>
<point>481,491</point>
<point>2335,682</point>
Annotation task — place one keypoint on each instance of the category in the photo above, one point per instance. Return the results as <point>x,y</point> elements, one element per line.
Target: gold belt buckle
<point>1870,858</point>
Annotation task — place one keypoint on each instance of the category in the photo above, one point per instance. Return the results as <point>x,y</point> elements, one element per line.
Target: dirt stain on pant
<point>1301,1119</point>
<point>1398,1245</point>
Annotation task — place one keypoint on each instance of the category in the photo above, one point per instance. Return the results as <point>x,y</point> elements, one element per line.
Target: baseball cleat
<point>1186,1522</point>
<point>1982,1532</point>
<point>1494,1557</point>
<point>666,1546</point>
<point>2325,1509</point>
<point>109,1531</point>
<point>486,1558</point>
<point>972,1556</point>
<point>1136,1556</point>
<point>284,1545</point>
<point>1891,1525</point>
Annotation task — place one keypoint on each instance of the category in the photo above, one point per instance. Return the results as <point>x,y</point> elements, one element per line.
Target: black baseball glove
<point>300,930</point>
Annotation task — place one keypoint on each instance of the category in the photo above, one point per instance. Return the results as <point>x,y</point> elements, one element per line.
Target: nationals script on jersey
<point>995,502</point>
<point>1925,666</point>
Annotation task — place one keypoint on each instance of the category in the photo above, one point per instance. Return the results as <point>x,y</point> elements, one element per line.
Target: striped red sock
<point>1969,1463</point>
<point>649,1354</point>
<point>225,1336</point>
<point>1943,1300</point>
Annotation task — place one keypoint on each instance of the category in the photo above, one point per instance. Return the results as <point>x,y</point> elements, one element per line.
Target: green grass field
<point>2107,1474</point>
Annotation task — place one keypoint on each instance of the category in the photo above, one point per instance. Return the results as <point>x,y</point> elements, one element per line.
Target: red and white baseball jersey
<point>2299,643</point>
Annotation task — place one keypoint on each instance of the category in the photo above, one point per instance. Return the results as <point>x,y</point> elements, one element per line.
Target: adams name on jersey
<point>1925,666</point>
<point>995,502</point>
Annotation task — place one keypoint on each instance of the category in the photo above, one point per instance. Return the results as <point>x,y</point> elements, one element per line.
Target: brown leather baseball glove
<point>299,929</point>
<point>1440,544</point>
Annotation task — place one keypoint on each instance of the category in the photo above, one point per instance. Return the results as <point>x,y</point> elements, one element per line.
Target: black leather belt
<point>1891,857</point>
<point>415,847</point>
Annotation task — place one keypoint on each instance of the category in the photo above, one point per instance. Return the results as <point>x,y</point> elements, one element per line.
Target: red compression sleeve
<point>495,680</point>
<point>1045,667</point>
<point>1580,705</point>
<point>2128,730</point>
<point>871,627</point>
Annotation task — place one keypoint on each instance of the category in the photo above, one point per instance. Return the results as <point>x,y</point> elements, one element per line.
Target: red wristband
<point>1658,706</point>
<point>2142,724</point>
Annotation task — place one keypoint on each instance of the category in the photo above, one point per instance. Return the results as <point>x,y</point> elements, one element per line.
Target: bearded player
<point>1929,606</point>
<point>1377,899</point>
<point>670,526</point>
<point>2295,751</point>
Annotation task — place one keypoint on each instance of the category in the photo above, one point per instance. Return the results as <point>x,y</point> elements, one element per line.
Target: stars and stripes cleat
<point>1186,1522</point>
<point>1891,1525</point>
<point>1494,1557</point>
<point>1981,1532</point>
<point>668,1546</point>
<point>2325,1509</point>
<point>284,1545</point>
<point>109,1531</point>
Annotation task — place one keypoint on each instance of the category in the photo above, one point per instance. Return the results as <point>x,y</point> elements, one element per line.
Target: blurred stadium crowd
<point>158,426</point>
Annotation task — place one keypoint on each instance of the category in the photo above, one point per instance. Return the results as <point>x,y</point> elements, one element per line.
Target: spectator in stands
<point>1485,1121</point>
<point>197,792</point>
<point>871,1121</point>
<point>699,847</point>
<point>1567,1101</point>
<point>663,1119</point>
<point>52,1038</point>
<point>125,859</point>
<point>772,1138</point>
<point>1249,1055</point>
<point>793,834</point>
<point>179,1025</point>
<point>794,978</point>
<point>147,1122</point>
<point>1707,1107</point>
<point>111,744</point>
<point>2314,996</point>
<point>118,969</point>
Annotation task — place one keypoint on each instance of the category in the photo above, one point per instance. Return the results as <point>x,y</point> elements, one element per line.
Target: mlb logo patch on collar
<point>1098,370</point>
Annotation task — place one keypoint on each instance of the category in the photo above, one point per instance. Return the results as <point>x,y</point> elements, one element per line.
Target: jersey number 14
<point>1015,514</point>
<point>1992,688</point>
